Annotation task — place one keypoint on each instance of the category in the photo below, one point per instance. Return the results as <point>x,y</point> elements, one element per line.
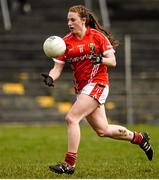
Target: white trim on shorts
<point>99,96</point>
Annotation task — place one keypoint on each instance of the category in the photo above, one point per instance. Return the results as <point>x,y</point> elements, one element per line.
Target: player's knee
<point>101,133</point>
<point>69,119</point>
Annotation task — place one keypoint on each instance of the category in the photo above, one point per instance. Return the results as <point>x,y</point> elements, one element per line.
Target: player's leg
<point>99,123</point>
<point>83,106</point>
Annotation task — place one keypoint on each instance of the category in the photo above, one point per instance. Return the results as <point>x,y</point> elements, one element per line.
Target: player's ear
<point>84,20</point>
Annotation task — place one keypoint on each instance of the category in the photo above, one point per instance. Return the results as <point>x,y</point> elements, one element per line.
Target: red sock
<point>137,138</point>
<point>70,158</point>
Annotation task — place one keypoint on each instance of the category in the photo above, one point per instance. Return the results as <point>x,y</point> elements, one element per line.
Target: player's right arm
<point>54,74</point>
<point>56,71</point>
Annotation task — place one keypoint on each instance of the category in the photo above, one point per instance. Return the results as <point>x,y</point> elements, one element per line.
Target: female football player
<point>90,51</point>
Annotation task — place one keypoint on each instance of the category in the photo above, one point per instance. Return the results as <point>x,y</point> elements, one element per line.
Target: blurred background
<point>134,83</point>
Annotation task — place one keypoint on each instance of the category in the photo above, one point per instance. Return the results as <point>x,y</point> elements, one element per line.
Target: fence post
<point>128,80</point>
<point>88,4</point>
<point>104,13</point>
<point>6,15</point>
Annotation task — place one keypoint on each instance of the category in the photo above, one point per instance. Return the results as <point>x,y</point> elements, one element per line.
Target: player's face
<point>75,23</point>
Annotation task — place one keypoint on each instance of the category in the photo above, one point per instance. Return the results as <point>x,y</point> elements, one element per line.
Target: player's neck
<point>82,33</point>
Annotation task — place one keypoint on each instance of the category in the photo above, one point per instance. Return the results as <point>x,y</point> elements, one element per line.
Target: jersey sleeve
<point>105,44</point>
<point>60,59</point>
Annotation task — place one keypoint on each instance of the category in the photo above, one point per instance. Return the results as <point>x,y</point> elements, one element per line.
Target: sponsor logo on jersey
<point>79,58</point>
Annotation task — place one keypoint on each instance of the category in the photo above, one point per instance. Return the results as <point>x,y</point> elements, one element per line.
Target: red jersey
<point>78,54</point>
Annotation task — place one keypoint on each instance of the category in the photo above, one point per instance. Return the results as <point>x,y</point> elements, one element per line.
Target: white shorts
<point>97,91</point>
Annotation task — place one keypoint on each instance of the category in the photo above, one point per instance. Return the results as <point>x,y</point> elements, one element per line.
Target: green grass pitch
<point>26,151</point>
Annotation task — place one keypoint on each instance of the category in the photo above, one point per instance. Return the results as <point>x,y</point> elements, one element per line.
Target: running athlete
<point>90,50</point>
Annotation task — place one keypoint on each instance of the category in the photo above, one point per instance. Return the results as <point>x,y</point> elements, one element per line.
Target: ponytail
<point>93,22</point>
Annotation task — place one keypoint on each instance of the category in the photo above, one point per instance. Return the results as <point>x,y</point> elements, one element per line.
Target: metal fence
<point>141,77</point>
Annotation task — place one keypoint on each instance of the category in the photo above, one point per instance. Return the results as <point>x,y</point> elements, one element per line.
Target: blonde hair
<point>92,21</point>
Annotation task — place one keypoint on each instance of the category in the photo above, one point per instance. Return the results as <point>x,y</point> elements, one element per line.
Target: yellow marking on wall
<point>110,105</point>
<point>64,107</point>
<point>13,88</point>
<point>45,101</point>
<point>23,76</point>
<point>71,91</point>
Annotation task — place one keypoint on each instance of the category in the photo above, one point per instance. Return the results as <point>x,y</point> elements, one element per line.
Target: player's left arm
<point>109,59</point>
<point>106,56</point>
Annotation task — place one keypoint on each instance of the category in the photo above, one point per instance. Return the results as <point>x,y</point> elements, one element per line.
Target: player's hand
<point>96,58</point>
<point>48,80</point>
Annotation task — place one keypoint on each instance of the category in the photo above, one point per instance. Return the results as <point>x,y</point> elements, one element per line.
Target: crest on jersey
<point>91,46</point>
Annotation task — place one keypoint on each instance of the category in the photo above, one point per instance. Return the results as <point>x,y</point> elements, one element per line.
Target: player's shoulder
<point>67,37</point>
<point>98,34</point>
